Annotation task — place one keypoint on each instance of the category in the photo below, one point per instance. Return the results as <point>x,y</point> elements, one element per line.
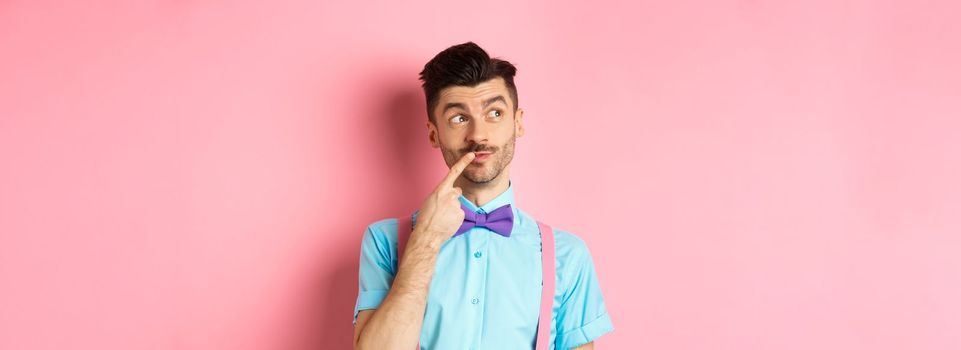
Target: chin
<point>480,181</point>
<point>481,178</point>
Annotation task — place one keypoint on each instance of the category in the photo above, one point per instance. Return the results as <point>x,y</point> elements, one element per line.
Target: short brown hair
<point>463,65</point>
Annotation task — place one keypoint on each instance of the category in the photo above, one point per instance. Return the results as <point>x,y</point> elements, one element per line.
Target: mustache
<point>477,147</point>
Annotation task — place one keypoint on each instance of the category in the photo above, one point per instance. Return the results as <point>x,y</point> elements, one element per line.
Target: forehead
<point>472,96</point>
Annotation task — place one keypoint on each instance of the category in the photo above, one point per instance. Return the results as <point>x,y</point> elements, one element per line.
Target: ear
<point>432,136</point>
<point>519,122</point>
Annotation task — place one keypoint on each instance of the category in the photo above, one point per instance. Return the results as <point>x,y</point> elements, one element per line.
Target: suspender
<point>547,292</point>
<point>405,227</point>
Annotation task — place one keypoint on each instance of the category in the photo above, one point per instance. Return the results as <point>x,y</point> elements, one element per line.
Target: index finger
<point>456,169</point>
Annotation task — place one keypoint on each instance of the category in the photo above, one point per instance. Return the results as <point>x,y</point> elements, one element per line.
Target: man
<point>460,284</point>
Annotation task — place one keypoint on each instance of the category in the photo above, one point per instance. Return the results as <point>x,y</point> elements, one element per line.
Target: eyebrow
<point>487,102</point>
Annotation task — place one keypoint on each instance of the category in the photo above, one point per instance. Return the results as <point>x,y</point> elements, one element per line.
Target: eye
<point>457,119</point>
<point>496,113</point>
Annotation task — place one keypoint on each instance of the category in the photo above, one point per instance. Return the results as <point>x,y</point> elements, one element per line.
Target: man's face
<point>477,119</point>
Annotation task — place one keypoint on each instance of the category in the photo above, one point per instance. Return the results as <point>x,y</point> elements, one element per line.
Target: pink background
<point>747,174</point>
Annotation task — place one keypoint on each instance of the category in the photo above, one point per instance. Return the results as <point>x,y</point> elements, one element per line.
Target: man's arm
<point>399,318</point>
<point>582,316</point>
<point>588,346</point>
<point>396,324</point>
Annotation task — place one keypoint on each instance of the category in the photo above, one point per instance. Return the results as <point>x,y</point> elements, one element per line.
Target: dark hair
<point>463,65</point>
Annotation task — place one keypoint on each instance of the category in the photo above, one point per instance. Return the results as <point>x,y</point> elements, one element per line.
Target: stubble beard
<point>488,171</point>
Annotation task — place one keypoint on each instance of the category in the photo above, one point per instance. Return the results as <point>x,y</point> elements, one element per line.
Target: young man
<point>470,274</point>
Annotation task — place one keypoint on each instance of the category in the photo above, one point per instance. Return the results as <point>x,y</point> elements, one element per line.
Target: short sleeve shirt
<point>485,291</point>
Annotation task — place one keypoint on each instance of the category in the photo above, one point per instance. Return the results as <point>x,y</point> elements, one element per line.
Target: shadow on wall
<point>399,155</point>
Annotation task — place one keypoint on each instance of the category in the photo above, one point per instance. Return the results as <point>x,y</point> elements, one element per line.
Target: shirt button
<point>474,301</point>
<point>478,254</point>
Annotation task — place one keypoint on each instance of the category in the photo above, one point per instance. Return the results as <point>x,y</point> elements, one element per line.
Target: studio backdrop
<point>746,174</point>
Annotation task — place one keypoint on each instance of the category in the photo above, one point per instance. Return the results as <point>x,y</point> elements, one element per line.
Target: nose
<point>478,132</point>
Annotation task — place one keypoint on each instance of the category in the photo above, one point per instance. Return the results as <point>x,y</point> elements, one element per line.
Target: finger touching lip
<point>480,157</point>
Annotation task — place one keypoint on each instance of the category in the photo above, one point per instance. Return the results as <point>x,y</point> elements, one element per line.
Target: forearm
<point>396,324</point>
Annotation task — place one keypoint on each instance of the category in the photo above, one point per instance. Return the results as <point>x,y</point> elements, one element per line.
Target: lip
<point>480,157</point>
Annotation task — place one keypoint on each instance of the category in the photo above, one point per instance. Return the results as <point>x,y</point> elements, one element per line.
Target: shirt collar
<point>506,197</point>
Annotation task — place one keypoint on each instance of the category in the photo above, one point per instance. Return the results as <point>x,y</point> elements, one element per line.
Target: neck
<point>482,193</point>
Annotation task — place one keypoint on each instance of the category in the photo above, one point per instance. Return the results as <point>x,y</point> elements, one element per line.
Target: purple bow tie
<point>500,220</point>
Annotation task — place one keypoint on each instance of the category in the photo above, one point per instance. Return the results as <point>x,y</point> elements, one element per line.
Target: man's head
<point>472,107</point>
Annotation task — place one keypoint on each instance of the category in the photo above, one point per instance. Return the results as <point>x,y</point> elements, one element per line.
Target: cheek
<point>504,134</point>
<point>451,138</point>
<point>449,146</point>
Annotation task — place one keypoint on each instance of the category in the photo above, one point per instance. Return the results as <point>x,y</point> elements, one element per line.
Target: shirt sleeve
<point>376,265</point>
<point>581,317</point>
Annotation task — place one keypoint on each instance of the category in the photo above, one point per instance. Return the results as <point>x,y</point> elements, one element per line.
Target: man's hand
<point>441,215</point>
